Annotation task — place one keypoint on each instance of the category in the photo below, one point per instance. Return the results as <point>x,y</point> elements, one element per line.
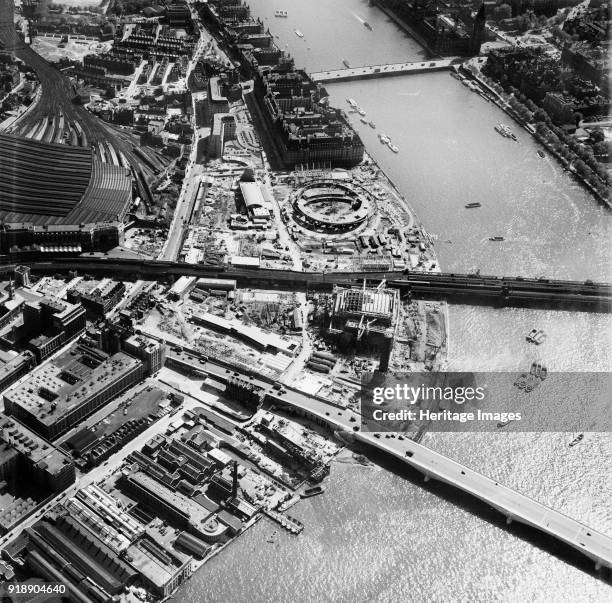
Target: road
<point>193,173</point>
<point>104,471</point>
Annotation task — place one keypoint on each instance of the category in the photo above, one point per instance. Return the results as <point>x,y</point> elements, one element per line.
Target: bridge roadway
<point>345,423</point>
<point>433,465</point>
<point>454,288</point>
<point>390,69</point>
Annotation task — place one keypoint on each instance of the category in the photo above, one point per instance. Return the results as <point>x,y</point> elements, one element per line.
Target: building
<point>28,462</point>
<point>454,32</point>
<point>162,569</point>
<point>22,276</point>
<point>66,542</point>
<point>100,300</point>
<point>365,311</point>
<point>15,368</point>
<point>60,394</point>
<point>56,323</point>
<point>84,190</point>
<point>182,511</point>
<point>304,129</point>
<point>152,353</point>
<point>255,204</point>
<point>178,14</point>
<point>24,239</point>
<point>223,130</point>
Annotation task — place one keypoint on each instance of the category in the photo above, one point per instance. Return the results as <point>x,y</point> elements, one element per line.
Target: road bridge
<point>387,70</point>
<point>345,423</point>
<point>471,289</point>
<point>515,506</point>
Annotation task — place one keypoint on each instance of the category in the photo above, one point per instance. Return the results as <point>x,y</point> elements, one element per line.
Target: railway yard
<point>187,328</point>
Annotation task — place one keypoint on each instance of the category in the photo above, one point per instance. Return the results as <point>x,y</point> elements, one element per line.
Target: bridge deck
<point>454,288</point>
<point>390,69</point>
<point>513,504</point>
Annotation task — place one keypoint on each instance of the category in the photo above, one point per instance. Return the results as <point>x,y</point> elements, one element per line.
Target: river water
<point>379,535</point>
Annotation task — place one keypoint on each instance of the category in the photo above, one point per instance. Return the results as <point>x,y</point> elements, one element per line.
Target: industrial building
<point>166,502</point>
<point>59,395</point>
<point>160,568</point>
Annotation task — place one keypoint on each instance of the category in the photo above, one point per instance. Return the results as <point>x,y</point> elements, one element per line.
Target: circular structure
<point>332,206</point>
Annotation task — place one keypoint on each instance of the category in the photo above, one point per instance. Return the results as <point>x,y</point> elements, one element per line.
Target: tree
<point>540,115</point>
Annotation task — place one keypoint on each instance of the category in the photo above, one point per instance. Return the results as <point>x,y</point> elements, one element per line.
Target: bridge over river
<point>390,69</point>
<point>345,423</point>
<point>512,504</point>
<point>473,289</point>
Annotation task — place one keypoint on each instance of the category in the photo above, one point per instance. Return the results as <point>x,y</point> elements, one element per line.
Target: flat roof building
<point>59,395</point>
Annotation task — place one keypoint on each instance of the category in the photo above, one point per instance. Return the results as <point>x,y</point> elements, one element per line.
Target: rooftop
<point>16,437</point>
<point>56,388</point>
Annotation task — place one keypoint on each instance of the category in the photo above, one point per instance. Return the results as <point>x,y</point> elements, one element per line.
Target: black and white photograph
<point>305,301</point>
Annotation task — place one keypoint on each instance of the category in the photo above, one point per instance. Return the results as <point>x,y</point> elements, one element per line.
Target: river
<point>377,535</point>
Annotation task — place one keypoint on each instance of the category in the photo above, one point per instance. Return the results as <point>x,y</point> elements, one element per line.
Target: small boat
<point>543,373</point>
<point>577,440</point>
<point>361,112</point>
<point>312,491</point>
<point>351,102</point>
<point>280,13</point>
<point>471,205</point>
<point>364,120</point>
<point>393,148</point>
<point>521,382</point>
<point>298,33</point>
<point>504,130</point>
<point>383,138</point>
<point>496,238</point>
<point>538,369</point>
<point>531,335</point>
<point>539,337</point>
<point>346,63</point>
<point>372,125</point>
<point>367,25</point>
<point>534,366</point>
<point>541,154</point>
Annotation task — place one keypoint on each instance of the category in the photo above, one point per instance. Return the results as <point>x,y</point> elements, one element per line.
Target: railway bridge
<point>474,289</point>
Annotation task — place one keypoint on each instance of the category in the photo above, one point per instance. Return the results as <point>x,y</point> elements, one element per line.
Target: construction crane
<point>364,328</point>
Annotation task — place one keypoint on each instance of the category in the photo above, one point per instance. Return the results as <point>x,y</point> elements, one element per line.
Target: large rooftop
<point>56,388</point>
<point>73,187</point>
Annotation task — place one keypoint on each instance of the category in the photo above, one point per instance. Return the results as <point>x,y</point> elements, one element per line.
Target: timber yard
<point>194,289</point>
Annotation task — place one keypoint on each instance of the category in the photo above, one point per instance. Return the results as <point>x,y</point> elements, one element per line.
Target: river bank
<point>505,106</point>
